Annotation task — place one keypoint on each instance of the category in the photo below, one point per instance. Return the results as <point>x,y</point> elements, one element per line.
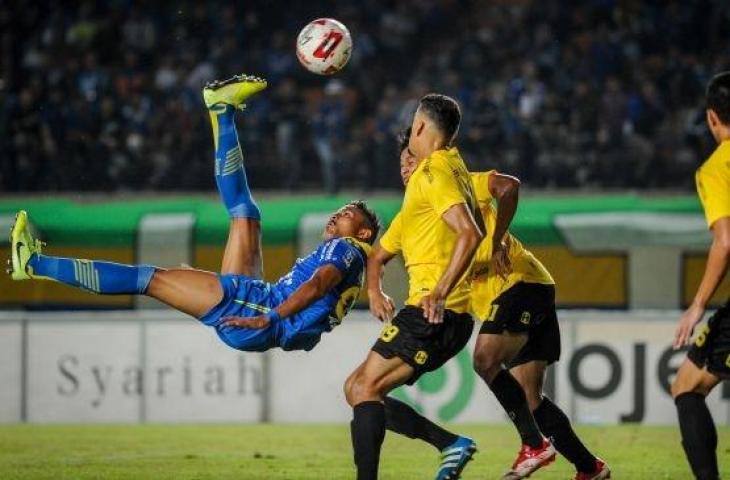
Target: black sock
<point>401,418</point>
<point>512,398</point>
<point>368,431</point>
<point>699,436</point>
<point>553,423</point>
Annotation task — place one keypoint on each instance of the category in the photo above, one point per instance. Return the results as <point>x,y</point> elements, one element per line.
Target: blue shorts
<point>244,297</point>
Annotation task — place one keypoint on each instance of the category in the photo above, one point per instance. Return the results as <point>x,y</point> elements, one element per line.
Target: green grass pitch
<point>299,452</point>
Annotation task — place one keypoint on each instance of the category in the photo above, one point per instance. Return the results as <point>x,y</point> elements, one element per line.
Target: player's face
<point>408,164</point>
<point>346,222</point>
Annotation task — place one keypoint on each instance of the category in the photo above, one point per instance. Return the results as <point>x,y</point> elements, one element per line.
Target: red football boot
<point>531,459</point>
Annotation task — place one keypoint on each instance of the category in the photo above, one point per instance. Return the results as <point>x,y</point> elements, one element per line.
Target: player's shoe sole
<point>22,247</point>
<point>233,91</point>
<point>454,460</point>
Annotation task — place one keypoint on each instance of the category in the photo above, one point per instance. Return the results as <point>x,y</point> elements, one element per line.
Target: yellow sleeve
<point>391,239</point>
<point>480,180</point>
<point>714,190</point>
<point>440,188</point>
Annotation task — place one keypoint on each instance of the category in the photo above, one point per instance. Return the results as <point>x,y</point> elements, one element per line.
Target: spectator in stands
<point>559,94</point>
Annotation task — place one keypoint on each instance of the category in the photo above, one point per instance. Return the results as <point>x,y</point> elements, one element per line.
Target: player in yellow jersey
<point>543,344</point>
<point>439,237</point>
<point>708,360</point>
<point>513,294</point>
<point>537,451</point>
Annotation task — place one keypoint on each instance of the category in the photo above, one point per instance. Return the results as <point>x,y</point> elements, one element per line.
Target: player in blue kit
<point>247,313</point>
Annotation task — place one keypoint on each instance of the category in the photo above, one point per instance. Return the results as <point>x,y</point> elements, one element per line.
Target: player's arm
<point>468,236</point>
<point>505,189</point>
<point>325,278</point>
<point>717,264</point>
<point>381,305</point>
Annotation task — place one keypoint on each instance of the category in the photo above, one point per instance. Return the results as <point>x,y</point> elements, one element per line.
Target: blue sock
<point>100,277</point>
<point>230,175</point>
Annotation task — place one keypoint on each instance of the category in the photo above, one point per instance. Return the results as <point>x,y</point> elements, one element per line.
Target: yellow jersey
<point>419,233</point>
<point>486,285</point>
<point>713,184</point>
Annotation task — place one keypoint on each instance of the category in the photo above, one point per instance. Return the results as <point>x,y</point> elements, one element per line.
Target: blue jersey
<point>244,296</point>
<point>303,330</point>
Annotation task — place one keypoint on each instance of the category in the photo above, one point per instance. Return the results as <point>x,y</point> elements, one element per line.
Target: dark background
<point>105,96</point>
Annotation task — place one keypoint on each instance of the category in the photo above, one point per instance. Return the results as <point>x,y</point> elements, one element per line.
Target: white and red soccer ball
<point>324,46</point>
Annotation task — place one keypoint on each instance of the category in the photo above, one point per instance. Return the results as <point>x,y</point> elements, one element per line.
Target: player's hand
<point>251,323</point>
<point>500,262</point>
<point>690,318</point>
<point>381,306</point>
<point>433,307</point>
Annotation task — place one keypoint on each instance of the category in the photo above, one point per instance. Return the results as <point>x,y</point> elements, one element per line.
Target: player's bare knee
<point>687,384</point>
<point>346,390</point>
<point>351,388</point>
<point>681,386</point>
<point>678,388</point>
<point>486,364</point>
<point>692,379</point>
<point>361,389</point>
<point>349,385</point>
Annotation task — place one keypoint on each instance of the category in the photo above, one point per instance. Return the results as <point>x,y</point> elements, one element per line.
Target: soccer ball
<point>324,46</point>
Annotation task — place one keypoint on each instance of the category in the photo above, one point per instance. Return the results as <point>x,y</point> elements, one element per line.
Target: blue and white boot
<point>455,457</point>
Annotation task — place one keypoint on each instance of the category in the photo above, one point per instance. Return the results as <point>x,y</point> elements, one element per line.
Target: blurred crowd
<point>598,94</point>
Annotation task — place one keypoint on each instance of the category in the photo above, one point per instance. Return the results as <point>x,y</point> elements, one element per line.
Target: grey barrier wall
<point>123,367</point>
<point>160,366</point>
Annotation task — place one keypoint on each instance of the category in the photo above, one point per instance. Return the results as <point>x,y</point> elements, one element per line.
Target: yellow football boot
<point>23,246</point>
<point>234,91</point>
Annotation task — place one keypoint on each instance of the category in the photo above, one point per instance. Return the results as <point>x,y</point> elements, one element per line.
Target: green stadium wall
<point>110,229</point>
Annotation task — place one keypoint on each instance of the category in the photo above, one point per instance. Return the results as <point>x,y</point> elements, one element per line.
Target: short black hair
<point>717,96</point>
<point>444,111</point>
<point>373,222</point>
<point>403,138</point>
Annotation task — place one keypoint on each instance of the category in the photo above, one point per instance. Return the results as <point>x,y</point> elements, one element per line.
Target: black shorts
<point>711,348</point>
<point>527,308</point>
<point>422,345</point>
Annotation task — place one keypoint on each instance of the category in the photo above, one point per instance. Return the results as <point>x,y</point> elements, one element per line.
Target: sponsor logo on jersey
<point>349,257</point>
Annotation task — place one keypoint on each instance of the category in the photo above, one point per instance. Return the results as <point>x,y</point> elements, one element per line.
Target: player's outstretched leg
<point>456,451</point>
<point>489,354</point>
<point>555,424</point>
<point>699,435</point>
<point>193,292</point>
<point>243,248</point>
